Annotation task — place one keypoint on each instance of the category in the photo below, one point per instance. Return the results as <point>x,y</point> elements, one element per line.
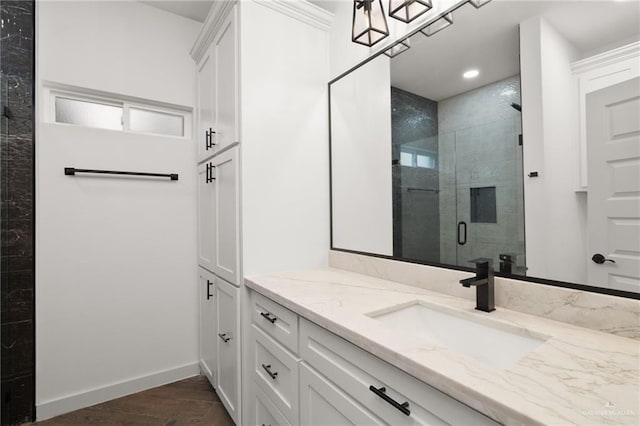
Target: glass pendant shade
<point>369,22</point>
<point>479,3</point>
<point>438,25</point>
<point>398,48</point>
<point>408,10</point>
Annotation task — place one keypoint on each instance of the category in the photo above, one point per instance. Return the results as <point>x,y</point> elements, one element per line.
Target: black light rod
<point>71,171</point>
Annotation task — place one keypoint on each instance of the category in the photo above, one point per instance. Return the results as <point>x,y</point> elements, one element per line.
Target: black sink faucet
<point>483,281</point>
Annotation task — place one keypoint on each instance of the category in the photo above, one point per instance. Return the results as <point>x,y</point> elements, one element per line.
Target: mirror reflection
<point>477,142</point>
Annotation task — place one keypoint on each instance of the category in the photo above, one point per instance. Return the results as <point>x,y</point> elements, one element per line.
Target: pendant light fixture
<point>408,10</point>
<point>369,22</point>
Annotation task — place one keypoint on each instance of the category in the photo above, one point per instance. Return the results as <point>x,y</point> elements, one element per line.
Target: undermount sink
<point>496,345</point>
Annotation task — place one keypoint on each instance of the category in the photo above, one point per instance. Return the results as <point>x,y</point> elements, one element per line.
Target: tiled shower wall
<point>17,206</point>
<point>416,221</point>
<point>480,147</point>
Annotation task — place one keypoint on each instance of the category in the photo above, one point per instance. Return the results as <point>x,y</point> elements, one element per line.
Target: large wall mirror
<point>511,134</point>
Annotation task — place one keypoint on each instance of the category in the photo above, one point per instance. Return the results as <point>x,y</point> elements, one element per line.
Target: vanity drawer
<point>277,321</point>
<point>354,371</point>
<point>275,370</point>
<point>264,411</point>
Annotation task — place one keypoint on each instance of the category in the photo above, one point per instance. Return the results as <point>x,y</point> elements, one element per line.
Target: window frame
<point>126,103</point>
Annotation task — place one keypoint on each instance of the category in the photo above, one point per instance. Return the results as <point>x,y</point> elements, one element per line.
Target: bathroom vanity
<point>326,348</point>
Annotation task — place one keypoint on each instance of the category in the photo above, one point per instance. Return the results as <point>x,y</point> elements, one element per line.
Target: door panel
<point>226,83</point>
<point>208,324</point>
<point>321,403</point>
<point>206,80</point>
<point>205,219</point>
<point>228,336</point>
<point>225,232</point>
<point>613,144</point>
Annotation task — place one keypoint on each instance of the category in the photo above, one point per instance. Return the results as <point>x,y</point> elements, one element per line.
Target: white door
<point>208,324</point>
<point>224,51</point>
<point>324,404</point>
<point>228,381</point>
<point>206,209</point>
<point>206,79</point>
<point>224,217</point>
<point>613,143</point>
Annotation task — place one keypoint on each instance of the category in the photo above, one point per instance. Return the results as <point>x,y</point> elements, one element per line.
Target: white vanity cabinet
<point>218,100</point>
<point>337,382</point>
<point>220,337</point>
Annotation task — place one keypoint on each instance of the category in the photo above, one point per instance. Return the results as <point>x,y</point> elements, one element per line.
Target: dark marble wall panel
<point>17,282</point>
<point>416,209</point>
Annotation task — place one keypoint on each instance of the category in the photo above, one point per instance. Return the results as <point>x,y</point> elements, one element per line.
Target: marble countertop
<point>577,376</point>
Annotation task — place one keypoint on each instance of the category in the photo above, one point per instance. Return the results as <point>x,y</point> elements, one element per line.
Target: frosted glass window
<point>87,113</point>
<point>160,123</point>
<point>425,161</point>
<point>406,159</point>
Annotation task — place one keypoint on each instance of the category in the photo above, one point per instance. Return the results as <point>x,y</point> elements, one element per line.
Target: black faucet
<point>483,281</point>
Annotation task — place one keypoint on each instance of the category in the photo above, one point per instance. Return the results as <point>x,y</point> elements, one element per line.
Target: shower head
<point>516,106</point>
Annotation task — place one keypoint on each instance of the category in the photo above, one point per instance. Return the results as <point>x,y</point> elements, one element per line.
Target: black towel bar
<point>71,171</point>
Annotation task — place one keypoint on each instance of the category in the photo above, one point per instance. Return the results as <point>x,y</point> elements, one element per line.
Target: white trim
<point>302,11</point>
<point>214,20</point>
<point>629,51</point>
<point>52,408</point>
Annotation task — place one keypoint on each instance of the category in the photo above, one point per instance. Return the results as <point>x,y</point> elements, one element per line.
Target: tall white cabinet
<point>262,71</point>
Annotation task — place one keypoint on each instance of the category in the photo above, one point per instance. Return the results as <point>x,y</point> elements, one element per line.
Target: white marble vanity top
<point>577,376</point>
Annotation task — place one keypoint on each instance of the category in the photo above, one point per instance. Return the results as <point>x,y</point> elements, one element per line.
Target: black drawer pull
<point>268,317</point>
<point>224,337</point>
<point>404,407</point>
<point>209,284</point>
<point>271,374</point>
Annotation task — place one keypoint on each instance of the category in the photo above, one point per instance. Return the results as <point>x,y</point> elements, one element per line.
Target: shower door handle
<point>462,233</point>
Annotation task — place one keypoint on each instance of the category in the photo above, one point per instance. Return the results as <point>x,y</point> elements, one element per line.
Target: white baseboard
<point>59,406</point>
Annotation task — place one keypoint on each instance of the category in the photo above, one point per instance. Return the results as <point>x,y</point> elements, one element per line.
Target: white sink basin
<point>496,345</point>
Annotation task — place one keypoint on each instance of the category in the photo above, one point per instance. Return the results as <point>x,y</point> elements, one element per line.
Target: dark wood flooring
<point>187,402</point>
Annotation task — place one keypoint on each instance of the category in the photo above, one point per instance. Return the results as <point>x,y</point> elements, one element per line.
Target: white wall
<point>116,304</point>
<point>361,159</point>
<point>284,142</point>
<point>556,215</point>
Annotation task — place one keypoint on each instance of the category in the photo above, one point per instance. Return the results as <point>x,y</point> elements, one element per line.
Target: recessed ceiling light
<point>471,74</point>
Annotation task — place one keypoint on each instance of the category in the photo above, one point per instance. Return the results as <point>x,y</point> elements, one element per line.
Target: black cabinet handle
<point>209,174</point>
<point>600,259</point>
<point>404,407</point>
<point>209,284</point>
<point>268,317</point>
<point>462,237</point>
<point>271,374</point>
<point>224,337</point>
<point>209,139</point>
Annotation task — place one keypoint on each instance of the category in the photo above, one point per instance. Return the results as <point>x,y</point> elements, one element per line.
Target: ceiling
<point>192,9</point>
<point>487,39</point>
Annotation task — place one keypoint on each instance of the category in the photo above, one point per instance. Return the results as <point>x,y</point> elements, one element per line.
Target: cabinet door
<point>225,53</point>
<point>208,324</point>
<point>263,411</point>
<point>224,218</point>
<point>206,213</point>
<point>206,119</point>
<point>228,381</point>
<point>322,403</point>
